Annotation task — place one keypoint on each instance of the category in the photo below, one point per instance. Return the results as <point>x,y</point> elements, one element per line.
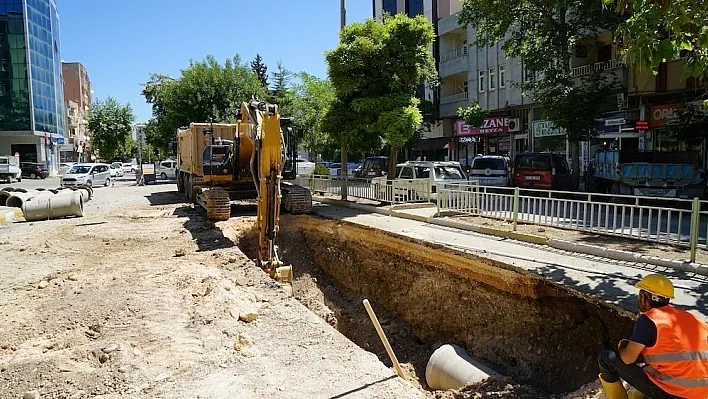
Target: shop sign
<point>615,122</point>
<point>497,124</point>
<point>585,154</point>
<point>663,115</point>
<point>546,129</point>
<point>641,125</point>
<point>466,140</point>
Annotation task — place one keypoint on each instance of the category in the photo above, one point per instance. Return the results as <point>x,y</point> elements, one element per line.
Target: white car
<point>90,174</point>
<point>116,169</point>
<point>128,167</point>
<point>304,167</point>
<point>420,180</point>
<point>167,170</point>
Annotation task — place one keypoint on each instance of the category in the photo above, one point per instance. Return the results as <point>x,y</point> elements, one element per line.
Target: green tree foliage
<point>206,91</point>
<point>260,69</point>
<point>110,124</point>
<point>656,31</point>
<point>376,70</point>
<point>313,98</point>
<point>282,92</point>
<point>693,126</point>
<point>473,115</point>
<point>543,34</point>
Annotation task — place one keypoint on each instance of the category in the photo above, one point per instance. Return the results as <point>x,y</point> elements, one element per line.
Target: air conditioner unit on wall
<point>622,101</point>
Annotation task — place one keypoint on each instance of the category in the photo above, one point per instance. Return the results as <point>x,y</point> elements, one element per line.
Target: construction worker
<point>667,354</point>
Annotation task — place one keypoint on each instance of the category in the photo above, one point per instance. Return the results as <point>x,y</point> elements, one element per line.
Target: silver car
<point>90,174</point>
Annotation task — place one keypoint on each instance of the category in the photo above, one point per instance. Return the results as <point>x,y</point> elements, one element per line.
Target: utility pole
<point>343,15</point>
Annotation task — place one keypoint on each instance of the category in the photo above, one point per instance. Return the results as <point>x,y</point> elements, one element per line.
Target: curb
<point>9,215</point>
<point>564,245</point>
<point>627,256</point>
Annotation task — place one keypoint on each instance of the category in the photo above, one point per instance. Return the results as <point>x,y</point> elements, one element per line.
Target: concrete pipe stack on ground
<point>52,206</point>
<point>450,367</point>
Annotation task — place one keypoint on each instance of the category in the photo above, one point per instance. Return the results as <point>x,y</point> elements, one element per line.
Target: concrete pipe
<point>18,198</point>
<point>88,191</point>
<point>450,367</point>
<point>4,195</point>
<point>67,203</point>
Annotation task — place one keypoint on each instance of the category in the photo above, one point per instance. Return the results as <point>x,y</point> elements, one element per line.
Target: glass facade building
<point>31,84</point>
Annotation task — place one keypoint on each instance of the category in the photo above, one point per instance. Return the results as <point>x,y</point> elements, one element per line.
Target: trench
<point>534,331</point>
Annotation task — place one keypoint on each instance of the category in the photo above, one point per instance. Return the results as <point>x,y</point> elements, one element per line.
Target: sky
<point>121,42</point>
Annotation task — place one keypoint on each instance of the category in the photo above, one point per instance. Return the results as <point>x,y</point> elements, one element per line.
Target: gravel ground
<point>143,298</point>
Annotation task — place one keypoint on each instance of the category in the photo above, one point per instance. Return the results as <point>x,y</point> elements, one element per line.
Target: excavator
<point>253,158</point>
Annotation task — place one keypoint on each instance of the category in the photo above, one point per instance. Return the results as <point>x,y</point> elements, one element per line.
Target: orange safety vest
<point>678,363</point>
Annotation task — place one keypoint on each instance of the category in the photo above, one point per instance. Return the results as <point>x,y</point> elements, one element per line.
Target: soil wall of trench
<point>525,327</point>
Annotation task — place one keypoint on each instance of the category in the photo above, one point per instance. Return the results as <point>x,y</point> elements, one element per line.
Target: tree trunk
<point>345,169</point>
<point>392,161</point>
<point>575,162</point>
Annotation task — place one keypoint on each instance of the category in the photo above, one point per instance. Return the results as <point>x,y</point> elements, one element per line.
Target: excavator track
<point>215,201</point>
<point>296,199</point>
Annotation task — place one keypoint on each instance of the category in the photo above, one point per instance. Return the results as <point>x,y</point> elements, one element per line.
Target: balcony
<point>450,104</point>
<point>454,62</point>
<point>597,67</point>
<point>448,24</point>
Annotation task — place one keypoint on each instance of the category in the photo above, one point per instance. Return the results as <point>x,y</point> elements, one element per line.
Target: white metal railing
<point>454,98</point>
<point>678,222</point>
<point>597,67</point>
<point>456,53</point>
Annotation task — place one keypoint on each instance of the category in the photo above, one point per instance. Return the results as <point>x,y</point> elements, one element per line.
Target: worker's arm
<point>629,351</point>
<point>644,335</point>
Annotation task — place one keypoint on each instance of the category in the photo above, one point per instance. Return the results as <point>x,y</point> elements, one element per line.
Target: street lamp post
<point>343,13</point>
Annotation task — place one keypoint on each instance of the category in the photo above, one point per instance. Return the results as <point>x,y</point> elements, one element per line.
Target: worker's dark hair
<point>655,301</point>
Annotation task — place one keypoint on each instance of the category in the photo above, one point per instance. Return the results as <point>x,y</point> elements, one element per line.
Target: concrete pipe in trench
<point>450,367</point>
<point>66,203</point>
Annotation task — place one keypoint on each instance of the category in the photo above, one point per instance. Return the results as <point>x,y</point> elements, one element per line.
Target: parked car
<point>542,170</point>
<point>373,167</point>
<point>34,170</point>
<point>91,174</point>
<point>491,170</point>
<point>420,179</point>
<point>116,169</point>
<point>305,167</point>
<point>129,167</point>
<point>167,170</point>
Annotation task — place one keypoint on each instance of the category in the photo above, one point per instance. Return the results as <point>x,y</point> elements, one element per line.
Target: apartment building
<point>78,94</point>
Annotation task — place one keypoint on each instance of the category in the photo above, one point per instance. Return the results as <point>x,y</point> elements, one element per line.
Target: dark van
<point>542,170</point>
<point>373,167</point>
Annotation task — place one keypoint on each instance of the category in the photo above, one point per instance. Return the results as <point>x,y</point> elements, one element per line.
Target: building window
<point>492,78</point>
<point>389,6</point>
<point>481,81</point>
<point>502,76</point>
<point>466,87</point>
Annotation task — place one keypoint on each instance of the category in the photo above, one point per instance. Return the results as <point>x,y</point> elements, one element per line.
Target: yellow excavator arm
<point>261,122</point>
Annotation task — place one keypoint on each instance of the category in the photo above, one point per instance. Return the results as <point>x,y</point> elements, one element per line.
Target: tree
<point>206,91</point>
<point>376,70</point>
<point>473,115</point>
<point>282,93</point>
<point>653,32</point>
<point>543,35</point>
<point>110,124</point>
<point>313,99</point>
<point>260,69</point>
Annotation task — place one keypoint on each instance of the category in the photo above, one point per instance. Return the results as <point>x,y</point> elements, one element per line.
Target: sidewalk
<point>9,215</point>
<point>611,281</point>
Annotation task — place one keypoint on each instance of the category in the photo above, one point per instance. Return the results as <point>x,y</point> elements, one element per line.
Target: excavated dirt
<point>543,336</point>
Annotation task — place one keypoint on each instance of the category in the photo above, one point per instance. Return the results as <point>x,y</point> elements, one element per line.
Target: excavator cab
<point>217,157</point>
<point>287,126</point>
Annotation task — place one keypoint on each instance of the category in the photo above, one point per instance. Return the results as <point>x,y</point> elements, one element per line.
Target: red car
<point>542,170</point>
<point>34,170</point>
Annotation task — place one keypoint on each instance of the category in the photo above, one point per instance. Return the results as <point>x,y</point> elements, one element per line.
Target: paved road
<point>53,182</point>
<point>608,280</point>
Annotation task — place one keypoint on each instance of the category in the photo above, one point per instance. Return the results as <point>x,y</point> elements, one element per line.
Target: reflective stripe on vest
<point>687,383</point>
<point>676,357</point>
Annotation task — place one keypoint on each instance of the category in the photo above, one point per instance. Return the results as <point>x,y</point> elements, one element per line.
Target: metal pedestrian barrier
<point>671,221</point>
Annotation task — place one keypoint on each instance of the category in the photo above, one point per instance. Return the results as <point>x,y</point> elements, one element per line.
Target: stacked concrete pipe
<point>53,205</point>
